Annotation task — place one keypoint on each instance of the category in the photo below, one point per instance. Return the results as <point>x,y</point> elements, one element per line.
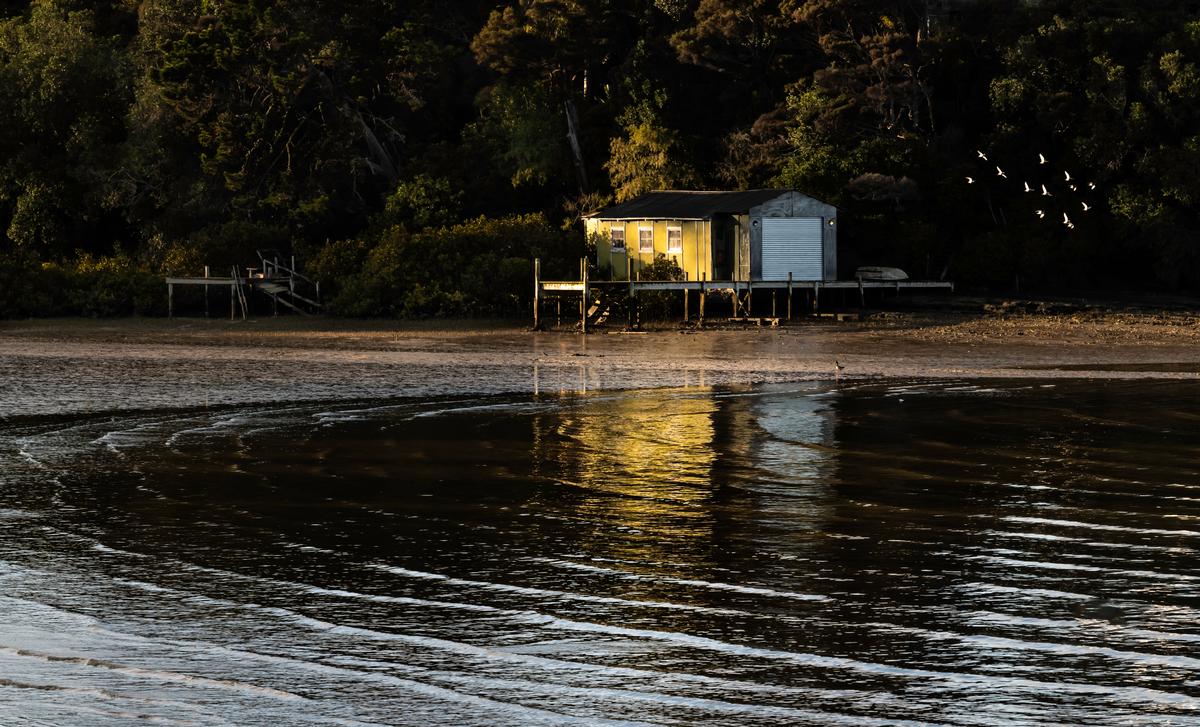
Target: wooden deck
<point>810,290</point>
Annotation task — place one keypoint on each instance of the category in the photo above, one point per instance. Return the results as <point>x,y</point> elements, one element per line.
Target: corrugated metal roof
<point>687,205</point>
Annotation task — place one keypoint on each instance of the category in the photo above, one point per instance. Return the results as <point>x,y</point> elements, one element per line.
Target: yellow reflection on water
<point>641,459</point>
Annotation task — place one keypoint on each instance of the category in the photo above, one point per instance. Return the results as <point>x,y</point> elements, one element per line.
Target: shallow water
<point>945,553</point>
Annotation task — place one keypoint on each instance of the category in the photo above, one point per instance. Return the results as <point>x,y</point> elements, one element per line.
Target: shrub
<point>480,267</point>
<point>114,285</point>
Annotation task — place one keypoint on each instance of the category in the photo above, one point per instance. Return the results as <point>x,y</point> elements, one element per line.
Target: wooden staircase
<point>284,285</point>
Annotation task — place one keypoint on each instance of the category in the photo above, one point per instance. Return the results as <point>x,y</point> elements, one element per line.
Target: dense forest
<point>416,154</point>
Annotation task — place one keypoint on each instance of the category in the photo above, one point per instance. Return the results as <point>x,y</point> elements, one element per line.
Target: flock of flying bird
<point>1070,181</point>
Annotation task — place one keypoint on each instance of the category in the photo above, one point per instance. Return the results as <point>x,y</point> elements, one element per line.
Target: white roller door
<point>792,245</point>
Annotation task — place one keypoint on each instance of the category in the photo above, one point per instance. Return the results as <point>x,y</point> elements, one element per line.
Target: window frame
<point>612,239</point>
<point>677,229</point>
<point>642,247</point>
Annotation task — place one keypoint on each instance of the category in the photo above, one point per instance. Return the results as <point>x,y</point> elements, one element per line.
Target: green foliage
<point>479,267</point>
<point>423,201</point>
<point>659,304</point>
<point>107,286</point>
<point>194,133</point>
<point>646,156</point>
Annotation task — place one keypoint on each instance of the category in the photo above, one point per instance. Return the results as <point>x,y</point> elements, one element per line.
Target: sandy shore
<point>905,345</point>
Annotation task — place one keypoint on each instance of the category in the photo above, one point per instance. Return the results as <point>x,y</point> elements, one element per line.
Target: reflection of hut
<point>761,234</point>
<point>643,460</point>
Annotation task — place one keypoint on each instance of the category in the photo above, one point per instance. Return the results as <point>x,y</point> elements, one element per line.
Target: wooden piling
<point>537,294</point>
<point>862,295</point>
<point>206,293</point>
<point>582,302</point>
<point>685,301</point>
<point>703,296</point>
<point>629,299</point>
<point>773,305</point>
<point>171,300</point>
<point>736,302</point>
<point>789,297</point>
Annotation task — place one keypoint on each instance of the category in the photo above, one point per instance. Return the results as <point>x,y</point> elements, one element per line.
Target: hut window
<point>616,236</point>
<point>674,239</point>
<point>645,239</point>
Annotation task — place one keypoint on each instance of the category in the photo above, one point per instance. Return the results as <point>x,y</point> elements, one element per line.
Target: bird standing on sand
<point>837,370</point>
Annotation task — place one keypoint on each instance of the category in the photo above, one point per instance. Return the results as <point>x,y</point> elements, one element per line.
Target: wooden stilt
<point>703,296</point>
<point>171,300</point>
<point>206,293</point>
<point>537,294</point>
<point>862,295</point>
<point>736,302</point>
<point>629,300</point>
<point>582,302</point>
<point>637,305</point>
<point>773,305</point>
<point>685,301</point>
<point>789,297</point>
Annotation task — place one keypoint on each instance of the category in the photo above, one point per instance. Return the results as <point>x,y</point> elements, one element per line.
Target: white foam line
<point>1137,658</point>
<point>832,662</point>
<point>1044,592</point>
<point>993,618</point>
<point>1098,526</point>
<point>715,585</point>
<point>805,659</point>
<point>1090,543</point>
<point>611,695</point>
<point>162,676</point>
<point>509,406</point>
<point>490,653</point>
<point>530,591</point>
<point>1082,568</point>
<point>528,715</point>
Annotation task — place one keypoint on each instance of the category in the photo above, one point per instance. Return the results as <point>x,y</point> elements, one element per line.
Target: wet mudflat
<point>947,552</point>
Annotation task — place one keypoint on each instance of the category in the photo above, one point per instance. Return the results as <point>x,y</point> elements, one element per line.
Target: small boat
<point>874,272</point>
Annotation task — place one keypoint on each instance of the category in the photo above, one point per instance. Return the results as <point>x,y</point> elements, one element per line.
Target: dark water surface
<point>945,553</point>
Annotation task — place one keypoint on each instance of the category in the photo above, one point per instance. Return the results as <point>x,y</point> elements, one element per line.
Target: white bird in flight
<point>1068,175</point>
<point>1041,159</point>
<point>1066,220</point>
<point>1041,215</point>
<point>1091,185</point>
<point>981,155</point>
<point>1086,207</point>
<point>1000,173</point>
<point>1046,192</point>
<point>1028,188</point>
<point>1074,188</point>
<point>970,181</point>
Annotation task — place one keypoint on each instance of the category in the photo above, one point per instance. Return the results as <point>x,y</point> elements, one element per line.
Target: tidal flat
<point>320,522</point>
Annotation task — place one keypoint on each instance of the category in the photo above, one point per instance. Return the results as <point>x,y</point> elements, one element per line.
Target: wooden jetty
<point>275,279</point>
<point>741,292</point>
